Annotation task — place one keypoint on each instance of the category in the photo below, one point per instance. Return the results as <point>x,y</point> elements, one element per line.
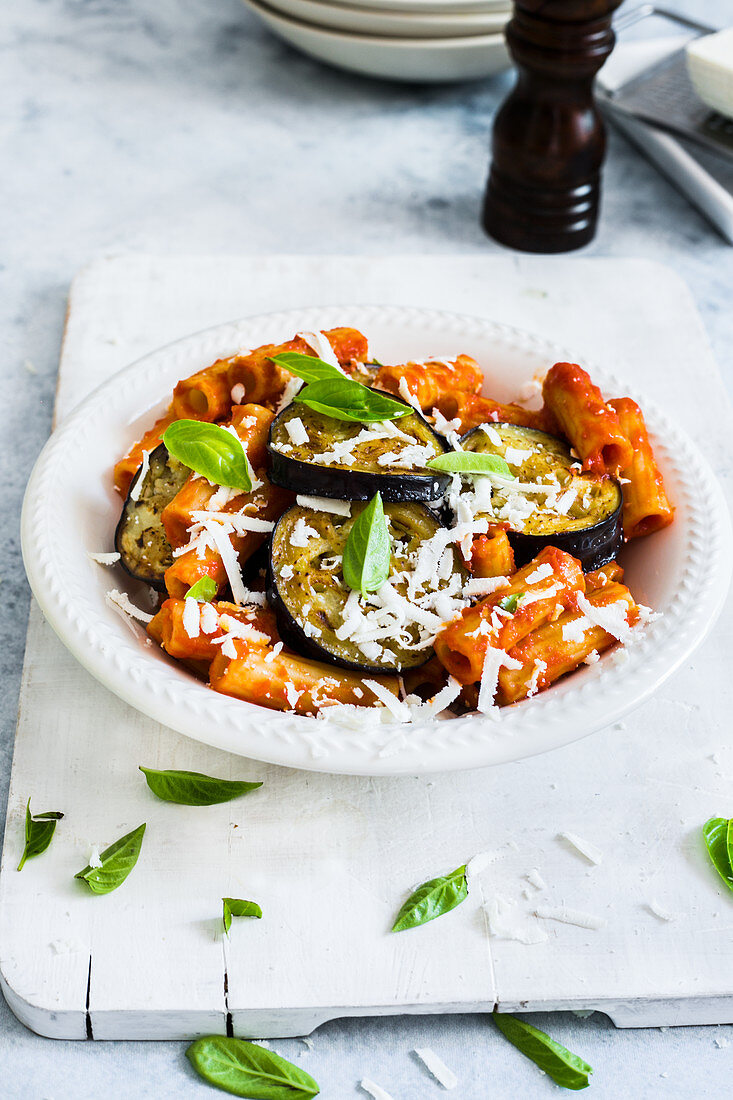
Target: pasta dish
<point>328,534</point>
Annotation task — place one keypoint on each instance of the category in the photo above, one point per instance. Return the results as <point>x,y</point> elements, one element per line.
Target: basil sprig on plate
<point>718,835</point>
<point>330,392</point>
<point>368,549</point>
<point>211,451</point>
<point>566,1069</point>
<point>195,788</point>
<point>470,462</point>
<point>116,863</point>
<point>39,830</point>
<point>433,899</point>
<point>238,907</point>
<point>204,590</point>
<point>248,1070</point>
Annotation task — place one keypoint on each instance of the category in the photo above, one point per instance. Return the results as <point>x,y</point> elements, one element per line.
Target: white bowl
<point>396,24</point>
<point>414,7</point>
<point>433,60</point>
<point>70,508</point>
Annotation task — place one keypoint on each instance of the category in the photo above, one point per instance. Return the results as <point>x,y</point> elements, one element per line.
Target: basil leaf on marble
<point>237,907</point>
<point>194,788</point>
<point>248,1070</point>
<point>566,1069</point>
<point>39,830</point>
<point>345,399</point>
<point>716,832</point>
<point>211,451</point>
<point>116,863</point>
<point>368,549</point>
<point>308,367</point>
<point>470,462</point>
<point>509,603</point>
<point>204,590</point>
<point>433,899</point>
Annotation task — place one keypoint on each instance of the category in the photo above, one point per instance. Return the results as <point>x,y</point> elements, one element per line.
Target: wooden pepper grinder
<point>549,139</point>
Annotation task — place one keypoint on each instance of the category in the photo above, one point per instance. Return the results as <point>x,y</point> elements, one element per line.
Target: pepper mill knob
<point>549,139</point>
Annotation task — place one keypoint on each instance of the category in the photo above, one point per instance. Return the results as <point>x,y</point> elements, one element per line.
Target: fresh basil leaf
<point>433,899</point>
<point>211,451</point>
<point>716,832</point>
<point>509,603</point>
<point>117,862</point>
<point>470,462</point>
<point>729,841</point>
<point>204,590</point>
<point>39,830</point>
<point>307,367</point>
<point>237,907</point>
<point>248,1070</point>
<point>194,788</point>
<point>566,1069</point>
<point>368,549</point>
<point>345,399</point>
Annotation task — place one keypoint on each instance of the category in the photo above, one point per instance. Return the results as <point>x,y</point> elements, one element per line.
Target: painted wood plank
<point>331,858</point>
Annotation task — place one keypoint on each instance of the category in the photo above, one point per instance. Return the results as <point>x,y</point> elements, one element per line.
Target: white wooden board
<point>331,858</point>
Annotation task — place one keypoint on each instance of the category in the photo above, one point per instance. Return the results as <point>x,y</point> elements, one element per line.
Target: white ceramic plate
<point>392,23</point>
<point>427,60</point>
<point>70,508</point>
<point>416,7</point>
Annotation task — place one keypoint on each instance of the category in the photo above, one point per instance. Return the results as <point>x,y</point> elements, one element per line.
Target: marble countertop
<point>183,127</point>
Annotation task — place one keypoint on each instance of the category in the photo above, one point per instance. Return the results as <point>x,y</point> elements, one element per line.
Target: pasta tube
<point>184,631</point>
<point>589,423</point>
<point>472,410</point>
<point>646,505</point>
<point>284,681</point>
<point>544,587</point>
<point>492,554</point>
<point>427,382</point>
<point>607,574</point>
<point>206,395</point>
<point>264,381</point>
<point>559,647</point>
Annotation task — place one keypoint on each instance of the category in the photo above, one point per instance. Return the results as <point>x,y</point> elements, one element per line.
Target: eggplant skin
<point>321,590</point>
<point>594,536</point>
<point>360,480</point>
<point>140,538</point>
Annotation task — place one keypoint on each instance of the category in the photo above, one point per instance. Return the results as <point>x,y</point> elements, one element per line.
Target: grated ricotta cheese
<point>297,431</point>
<point>292,386</point>
<point>120,601</point>
<point>138,486</point>
<point>375,1091</point>
<point>320,344</point>
<point>191,617</point>
<point>570,916</point>
<point>301,533</point>
<point>237,394</point>
<point>325,504</point>
<point>437,1067</point>
<point>102,558</point>
<point>612,619</point>
<point>590,851</point>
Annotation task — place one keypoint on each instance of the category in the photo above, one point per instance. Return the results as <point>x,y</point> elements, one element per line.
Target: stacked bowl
<point>411,40</point>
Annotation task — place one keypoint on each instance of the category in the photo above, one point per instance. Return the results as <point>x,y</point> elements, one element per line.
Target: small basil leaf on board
<point>39,830</point>
<point>194,788</point>
<point>433,899</point>
<point>211,451</point>
<point>566,1069</point>
<point>368,549</point>
<point>237,907</point>
<point>307,367</point>
<point>345,399</point>
<point>248,1070</point>
<point>117,862</point>
<point>204,590</point>
<point>470,462</point>
<point>729,841</point>
<point>716,832</point>
<point>509,603</point>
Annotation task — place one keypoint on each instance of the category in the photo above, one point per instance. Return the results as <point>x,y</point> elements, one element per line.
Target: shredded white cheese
<point>484,586</point>
<point>102,558</point>
<point>375,1091</point>
<point>209,618</point>
<point>325,504</point>
<point>541,573</point>
<point>612,618</point>
<point>120,601</point>
<point>570,916</point>
<point>505,923</point>
<point>297,431</point>
<point>534,878</point>
<point>237,393</point>
<point>437,1067</point>
<point>659,911</point>
<point>320,344</point>
<point>138,486</point>
<point>407,395</point>
<point>494,660</point>
<point>390,701</point>
<point>590,851</point>
<point>292,386</point>
<point>94,857</point>
<point>191,617</point>
<point>301,533</point>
